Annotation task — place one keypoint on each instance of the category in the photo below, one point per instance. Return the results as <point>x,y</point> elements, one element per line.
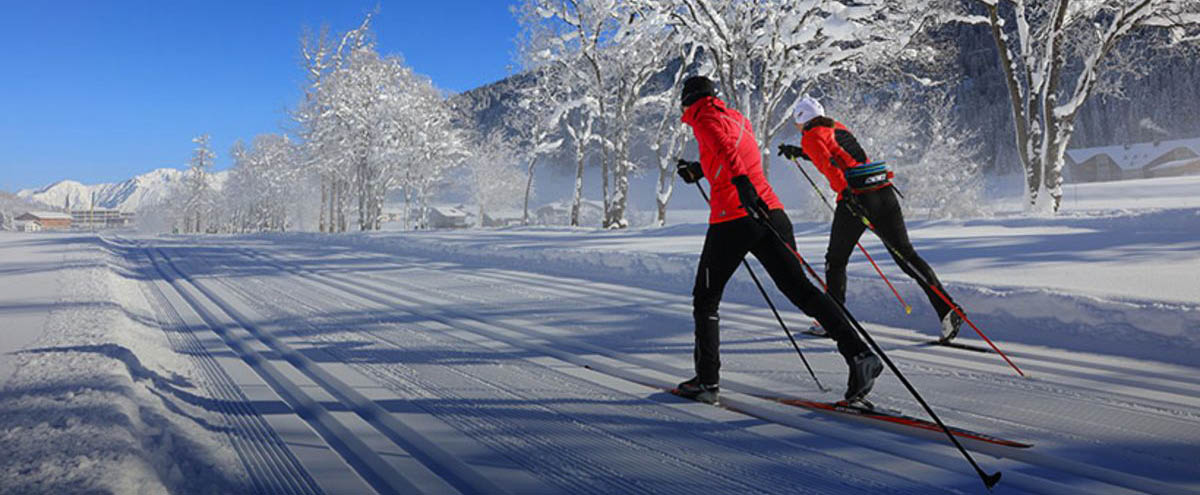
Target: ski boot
<point>863,369</point>
<point>693,389</point>
<point>817,330</point>
<point>950,325</point>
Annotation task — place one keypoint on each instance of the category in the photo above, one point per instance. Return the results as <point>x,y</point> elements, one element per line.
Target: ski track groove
<point>1083,471</point>
<point>391,375</point>
<point>1051,389</point>
<point>1048,393</point>
<point>888,335</point>
<point>272,467</point>
<point>361,458</point>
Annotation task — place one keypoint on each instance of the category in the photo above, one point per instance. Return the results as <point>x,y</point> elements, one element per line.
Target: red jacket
<point>727,149</point>
<point>820,144</point>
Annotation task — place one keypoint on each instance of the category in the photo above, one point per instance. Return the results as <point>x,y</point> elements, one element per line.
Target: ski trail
<point>273,468</point>
<point>723,451</point>
<point>533,331</point>
<point>1096,424</point>
<point>305,389</point>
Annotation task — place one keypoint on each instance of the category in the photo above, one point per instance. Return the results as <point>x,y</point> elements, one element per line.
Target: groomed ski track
<point>350,372</point>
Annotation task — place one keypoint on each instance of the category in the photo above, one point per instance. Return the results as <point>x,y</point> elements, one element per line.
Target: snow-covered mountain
<point>128,196</point>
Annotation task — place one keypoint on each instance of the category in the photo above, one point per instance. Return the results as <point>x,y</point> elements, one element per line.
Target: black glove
<point>792,152</point>
<point>689,171</point>
<point>751,201</point>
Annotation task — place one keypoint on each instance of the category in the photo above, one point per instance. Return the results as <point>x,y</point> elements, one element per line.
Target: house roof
<point>48,215</point>
<point>449,211</point>
<point>1134,156</point>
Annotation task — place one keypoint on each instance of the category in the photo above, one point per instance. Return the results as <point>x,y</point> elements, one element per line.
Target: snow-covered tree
<point>763,54</point>
<point>495,177</point>
<point>912,127</point>
<point>371,126</point>
<point>547,49</point>
<point>198,192</point>
<point>1056,54</point>
<point>263,185</point>
<point>322,155</point>
<point>614,49</point>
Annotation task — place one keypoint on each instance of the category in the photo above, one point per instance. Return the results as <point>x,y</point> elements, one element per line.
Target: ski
<point>890,416</point>
<point>841,408</point>
<point>958,345</point>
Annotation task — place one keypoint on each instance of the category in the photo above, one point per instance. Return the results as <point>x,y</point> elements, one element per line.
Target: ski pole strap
<point>869,177</point>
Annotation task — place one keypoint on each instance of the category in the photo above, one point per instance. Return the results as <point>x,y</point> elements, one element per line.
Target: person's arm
<point>837,155</point>
<point>713,129</point>
<point>818,151</point>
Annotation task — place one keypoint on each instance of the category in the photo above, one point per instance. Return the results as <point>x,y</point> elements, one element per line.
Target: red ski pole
<point>907,308</point>
<point>920,278</point>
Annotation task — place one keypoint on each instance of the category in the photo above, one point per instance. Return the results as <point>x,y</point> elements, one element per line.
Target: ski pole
<point>989,480</point>
<point>773,310</point>
<point>918,275</point>
<point>862,215</point>
<point>907,308</point>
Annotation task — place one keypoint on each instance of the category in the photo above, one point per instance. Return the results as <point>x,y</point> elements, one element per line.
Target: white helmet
<point>807,108</point>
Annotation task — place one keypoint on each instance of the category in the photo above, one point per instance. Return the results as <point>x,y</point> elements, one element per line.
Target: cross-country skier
<point>863,188</point>
<point>741,205</point>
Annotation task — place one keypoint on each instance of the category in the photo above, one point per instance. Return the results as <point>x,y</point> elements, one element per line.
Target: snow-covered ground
<point>518,360</point>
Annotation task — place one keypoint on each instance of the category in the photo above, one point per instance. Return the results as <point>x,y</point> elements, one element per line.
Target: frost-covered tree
<point>263,185</point>
<point>912,127</point>
<point>765,53</point>
<point>613,49</point>
<point>371,126</point>
<point>535,125</point>
<point>198,193</point>
<point>1056,54</point>
<point>546,48</point>
<point>670,135</point>
<point>322,155</point>
<point>495,177</point>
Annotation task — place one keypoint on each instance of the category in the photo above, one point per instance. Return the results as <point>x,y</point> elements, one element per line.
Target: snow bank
<point>93,405</point>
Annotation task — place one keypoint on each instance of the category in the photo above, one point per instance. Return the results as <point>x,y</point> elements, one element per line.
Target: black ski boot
<point>693,389</point>
<point>950,325</point>
<point>863,369</point>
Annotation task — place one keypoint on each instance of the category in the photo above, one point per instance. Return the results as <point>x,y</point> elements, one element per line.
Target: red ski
<point>889,416</point>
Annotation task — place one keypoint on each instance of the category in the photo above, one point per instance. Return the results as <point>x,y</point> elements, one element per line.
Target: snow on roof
<point>1186,162</point>
<point>449,211</point>
<point>1134,156</point>
<point>49,215</point>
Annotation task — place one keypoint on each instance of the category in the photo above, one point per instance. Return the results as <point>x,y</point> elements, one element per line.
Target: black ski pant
<point>725,246</point>
<point>882,208</point>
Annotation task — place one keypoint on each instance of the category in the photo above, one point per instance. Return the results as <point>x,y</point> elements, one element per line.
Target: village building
<point>27,226</point>
<point>47,220</point>
<point>447,217</point>
<point>100,218</point>
<point>1134,161</point>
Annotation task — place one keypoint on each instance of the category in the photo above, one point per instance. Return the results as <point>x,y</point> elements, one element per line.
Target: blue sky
<point>100,91</point>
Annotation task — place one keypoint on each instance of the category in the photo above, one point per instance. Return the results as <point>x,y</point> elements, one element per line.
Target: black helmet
<point>696,87</point>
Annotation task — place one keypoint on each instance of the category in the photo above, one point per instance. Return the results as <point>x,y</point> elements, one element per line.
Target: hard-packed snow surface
<point>532,361</point>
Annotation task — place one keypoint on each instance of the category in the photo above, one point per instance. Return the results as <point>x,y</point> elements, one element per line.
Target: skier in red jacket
<point>863,188</point>
<point>741,205</point>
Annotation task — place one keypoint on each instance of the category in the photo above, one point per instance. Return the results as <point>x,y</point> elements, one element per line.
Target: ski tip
<point>990,480</point>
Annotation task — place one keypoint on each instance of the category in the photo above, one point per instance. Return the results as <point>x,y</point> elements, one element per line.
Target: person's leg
<point>725,246</point>
<point>788,274</point>
<point>883,209</point>
<point>843,235</point>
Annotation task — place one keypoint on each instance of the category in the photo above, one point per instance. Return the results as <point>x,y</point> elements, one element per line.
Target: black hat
<point>696,87</point>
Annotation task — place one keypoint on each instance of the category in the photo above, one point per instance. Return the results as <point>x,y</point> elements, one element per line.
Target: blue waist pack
<point>869,177</point>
